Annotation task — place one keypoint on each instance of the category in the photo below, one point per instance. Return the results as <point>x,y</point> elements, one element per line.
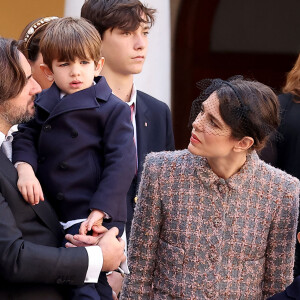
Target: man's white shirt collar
<point>4,137</point>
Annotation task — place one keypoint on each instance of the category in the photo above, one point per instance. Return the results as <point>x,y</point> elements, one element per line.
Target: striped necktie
<point>132,114</point>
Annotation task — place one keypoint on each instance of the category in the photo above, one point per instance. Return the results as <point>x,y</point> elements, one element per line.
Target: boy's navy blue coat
<point>82,148</point>
<point>291,292</point>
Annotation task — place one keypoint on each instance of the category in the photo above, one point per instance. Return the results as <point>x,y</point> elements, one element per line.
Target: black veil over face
<point>249,108</point>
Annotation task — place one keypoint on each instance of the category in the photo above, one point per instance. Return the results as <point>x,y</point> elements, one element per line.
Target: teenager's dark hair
<point>13,78</point>
<point>123,14</point>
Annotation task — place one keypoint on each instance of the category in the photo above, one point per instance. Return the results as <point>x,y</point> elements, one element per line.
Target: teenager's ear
<point>47,72</point>
<point>244,144</point>
<point>99,66</point>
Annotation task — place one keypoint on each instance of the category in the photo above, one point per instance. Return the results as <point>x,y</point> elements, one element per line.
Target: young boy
<point>80,142</point>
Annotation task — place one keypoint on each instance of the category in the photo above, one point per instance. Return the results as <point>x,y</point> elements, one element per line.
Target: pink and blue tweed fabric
<point>197,236</point>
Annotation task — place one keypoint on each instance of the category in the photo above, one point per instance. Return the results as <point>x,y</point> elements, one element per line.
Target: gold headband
<point>36,26</point>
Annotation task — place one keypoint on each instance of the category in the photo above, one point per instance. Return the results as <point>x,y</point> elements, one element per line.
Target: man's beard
<point>14,114</point>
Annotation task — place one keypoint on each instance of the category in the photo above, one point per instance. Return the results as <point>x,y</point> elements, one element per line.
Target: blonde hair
<point>293,79</point>
<point>68,38</point>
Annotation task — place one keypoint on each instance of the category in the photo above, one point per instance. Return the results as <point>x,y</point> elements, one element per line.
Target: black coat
<point>154,133</point>
<point>291,292</point>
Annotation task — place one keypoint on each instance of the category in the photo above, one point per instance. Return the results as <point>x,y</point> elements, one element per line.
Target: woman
<point>29,46</point>
<point>214,221</point>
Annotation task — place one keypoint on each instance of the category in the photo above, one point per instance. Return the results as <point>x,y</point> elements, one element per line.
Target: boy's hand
<point>94,219</point>
<point>28,184</point>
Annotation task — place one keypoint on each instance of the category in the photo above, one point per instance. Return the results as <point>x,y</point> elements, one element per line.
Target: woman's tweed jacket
<point>197,236</point>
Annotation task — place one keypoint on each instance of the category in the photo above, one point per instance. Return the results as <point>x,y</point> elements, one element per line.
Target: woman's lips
<point>194,139</point>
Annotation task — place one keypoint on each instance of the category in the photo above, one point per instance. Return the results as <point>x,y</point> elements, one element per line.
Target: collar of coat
<point>242,177</point>
<point>84,99</point>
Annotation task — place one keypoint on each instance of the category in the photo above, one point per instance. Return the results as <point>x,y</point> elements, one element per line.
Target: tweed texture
<point>198,236</point>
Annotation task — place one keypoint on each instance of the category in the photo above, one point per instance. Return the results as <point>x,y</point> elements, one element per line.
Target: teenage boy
<point>124,26</point>
<point>80,142</point>
<point>32,263</point>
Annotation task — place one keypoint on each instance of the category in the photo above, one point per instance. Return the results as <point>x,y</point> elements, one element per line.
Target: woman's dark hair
<point>13,78</point>
<point>123,14</point>
<point>249,108</point>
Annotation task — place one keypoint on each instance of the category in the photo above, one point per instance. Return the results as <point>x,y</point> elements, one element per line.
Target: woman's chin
<point>192,149</point>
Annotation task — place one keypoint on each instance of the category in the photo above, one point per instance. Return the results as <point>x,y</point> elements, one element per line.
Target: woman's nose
<point>198,123</point>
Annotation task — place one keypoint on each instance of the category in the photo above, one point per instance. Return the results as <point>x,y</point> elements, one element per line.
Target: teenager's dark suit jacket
<point>31,265</point>
<point>85,155</point>
<point>291,292</point>
<point>154,133</point>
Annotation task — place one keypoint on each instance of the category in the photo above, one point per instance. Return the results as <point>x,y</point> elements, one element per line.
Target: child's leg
<point>71,230</point>
<point>87,291</point>
<point>103,288</point>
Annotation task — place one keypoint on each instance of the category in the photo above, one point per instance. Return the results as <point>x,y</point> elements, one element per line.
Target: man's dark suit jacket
<point>154,133</point>
<point>32,267</point>
<point>291,292</point>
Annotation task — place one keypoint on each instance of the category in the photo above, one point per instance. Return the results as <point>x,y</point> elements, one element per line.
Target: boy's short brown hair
<point>66,39</point>
<point>123,14</point>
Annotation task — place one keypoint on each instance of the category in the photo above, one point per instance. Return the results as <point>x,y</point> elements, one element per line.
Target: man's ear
<point>244,144</point>
<point>298,237</point>
<point>99,66</point>
<point>48,73</point>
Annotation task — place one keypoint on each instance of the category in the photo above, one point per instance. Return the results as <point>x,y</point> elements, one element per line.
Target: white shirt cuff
<point>124,265</point>
<point>95,264</point>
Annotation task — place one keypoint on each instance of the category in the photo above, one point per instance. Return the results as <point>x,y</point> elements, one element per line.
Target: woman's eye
<point>213,123</point>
